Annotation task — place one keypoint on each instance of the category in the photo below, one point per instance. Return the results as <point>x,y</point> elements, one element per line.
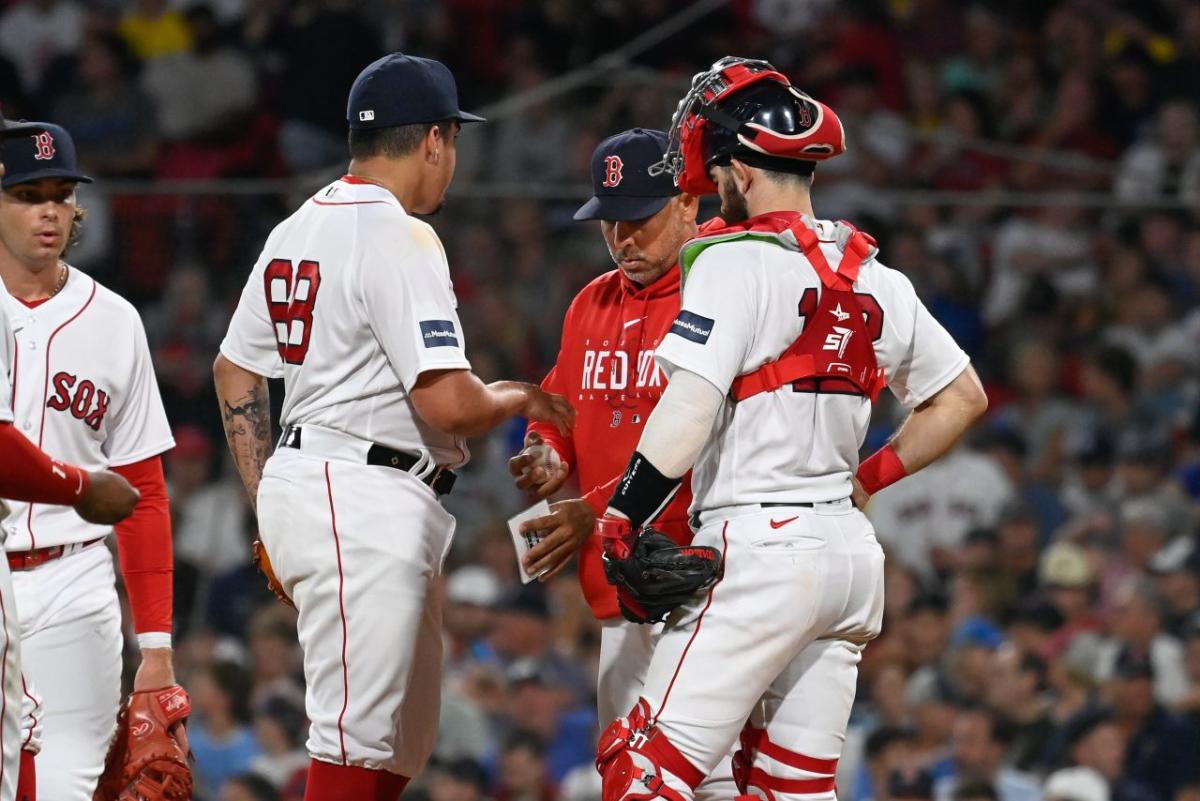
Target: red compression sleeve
<point>144,548</point>
<point>28,474</point>
<point>881,469</point>
<point>598,497</point>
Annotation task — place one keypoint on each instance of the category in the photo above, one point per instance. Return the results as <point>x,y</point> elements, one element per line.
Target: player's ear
<point>743,176</point>
<point>434,143</point>
<point>689,206</point>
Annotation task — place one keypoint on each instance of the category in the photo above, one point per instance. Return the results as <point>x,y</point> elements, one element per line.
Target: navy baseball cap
<point>622,184</point>
<point>404,90</point>
<point>11,129</point>
<point>47,152</point>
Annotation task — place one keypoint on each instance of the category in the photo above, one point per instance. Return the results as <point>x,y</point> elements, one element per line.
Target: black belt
<point>441,480</point>
<point>694,521</point>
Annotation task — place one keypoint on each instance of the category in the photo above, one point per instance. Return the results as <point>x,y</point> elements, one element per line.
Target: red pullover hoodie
<point>606,369</point>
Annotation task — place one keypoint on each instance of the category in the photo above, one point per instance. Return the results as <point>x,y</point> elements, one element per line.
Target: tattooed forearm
<point>246,413</point>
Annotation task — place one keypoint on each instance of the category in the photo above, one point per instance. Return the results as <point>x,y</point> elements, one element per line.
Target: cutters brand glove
<point>145,762</point>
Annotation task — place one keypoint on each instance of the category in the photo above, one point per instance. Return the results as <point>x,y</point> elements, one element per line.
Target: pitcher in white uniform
<point>789,328</point>
<point>351,304</point>
<point>84,391</point>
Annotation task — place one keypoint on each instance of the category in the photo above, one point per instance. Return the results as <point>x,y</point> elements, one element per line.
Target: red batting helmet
<point>747,109</point>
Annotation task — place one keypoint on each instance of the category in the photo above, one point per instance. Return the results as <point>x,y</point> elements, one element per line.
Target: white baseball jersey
<point>350,302</point>
<point>84,391</point>
<point>6,357</point>
<point>742,308</point>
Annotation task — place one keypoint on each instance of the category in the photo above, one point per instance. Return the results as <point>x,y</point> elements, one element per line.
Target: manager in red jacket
<point>606,369</point>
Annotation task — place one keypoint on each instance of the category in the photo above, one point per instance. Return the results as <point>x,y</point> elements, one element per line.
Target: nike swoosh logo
<point>782,523</point>
<point>632,322</point>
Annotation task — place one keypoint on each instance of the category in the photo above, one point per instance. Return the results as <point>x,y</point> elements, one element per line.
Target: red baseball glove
<point>146,762</point>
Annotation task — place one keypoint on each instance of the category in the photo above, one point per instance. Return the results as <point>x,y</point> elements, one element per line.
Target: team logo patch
<point>439,334</point>
<point>43,145</point>
<point>612,171</point>
<point>692,326</point>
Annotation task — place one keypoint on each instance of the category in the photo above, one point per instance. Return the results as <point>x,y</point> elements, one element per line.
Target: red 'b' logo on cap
<point>612,171</point>
<point>43,144</point>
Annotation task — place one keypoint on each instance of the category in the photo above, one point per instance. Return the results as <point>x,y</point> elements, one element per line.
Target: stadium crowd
<point>1042,633</point>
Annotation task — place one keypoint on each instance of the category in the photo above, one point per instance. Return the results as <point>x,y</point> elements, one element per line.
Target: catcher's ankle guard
<point>632,757</point>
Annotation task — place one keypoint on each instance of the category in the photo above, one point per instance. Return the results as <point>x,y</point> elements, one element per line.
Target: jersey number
<point>872,312</point>
<point>291,308</point>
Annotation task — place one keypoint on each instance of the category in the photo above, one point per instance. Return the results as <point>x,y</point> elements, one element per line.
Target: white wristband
<point>154,639</point>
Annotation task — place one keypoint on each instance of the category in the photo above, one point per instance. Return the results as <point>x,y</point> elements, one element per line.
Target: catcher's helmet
<point>748,109</point>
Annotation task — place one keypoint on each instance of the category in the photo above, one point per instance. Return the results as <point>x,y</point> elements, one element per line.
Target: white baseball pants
<point>625,652</point>
<point>71,646</point>
<point>775,644</point>
<point>358,549</point>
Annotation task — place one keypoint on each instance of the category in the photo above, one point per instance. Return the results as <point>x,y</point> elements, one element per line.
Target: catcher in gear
<point>788,329</point>
<point>148,757</point>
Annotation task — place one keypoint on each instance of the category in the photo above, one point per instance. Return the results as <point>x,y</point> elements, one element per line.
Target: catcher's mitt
<point>657,575</point>
<point>145,762</point>
<point>263,563</point>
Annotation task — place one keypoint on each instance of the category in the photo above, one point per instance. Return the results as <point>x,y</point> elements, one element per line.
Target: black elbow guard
<point>643,492</point>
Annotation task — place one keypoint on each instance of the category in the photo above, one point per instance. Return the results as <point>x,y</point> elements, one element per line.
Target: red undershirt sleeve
<point>28,474</point>
<point>146,554</point>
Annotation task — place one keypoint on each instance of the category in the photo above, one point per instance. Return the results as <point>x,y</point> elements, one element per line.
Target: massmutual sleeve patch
<point>692,326</point>
<point>439,334</point>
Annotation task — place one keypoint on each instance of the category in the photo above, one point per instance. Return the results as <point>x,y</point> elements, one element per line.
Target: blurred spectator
<point>1076,784</point>
<point>313,90</point>
<point>1065,572</point>
<point>35,32</point>
<point>1137,631</point>
<point>153,30</point>
<point>248,787</point>
<point>523,771</point>
<point>1015,693</point>
<point>542,703</point>
<point>922,521</point>
<point>471,593</point>
<point>110,119</point>
<point>1162,747</point>
<point>221,739</point>
<point>279,728</point>
<point>459,780</point>
<point>1168,164</point>
<point>980,742</point>
<point>205,91</point>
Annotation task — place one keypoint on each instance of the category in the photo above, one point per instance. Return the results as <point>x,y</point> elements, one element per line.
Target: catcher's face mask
<point>689,151</point>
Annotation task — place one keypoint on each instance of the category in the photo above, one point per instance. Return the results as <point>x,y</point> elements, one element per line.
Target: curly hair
<point>76,228</point>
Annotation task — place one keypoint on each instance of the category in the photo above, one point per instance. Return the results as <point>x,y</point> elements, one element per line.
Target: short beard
<point>733,204</point>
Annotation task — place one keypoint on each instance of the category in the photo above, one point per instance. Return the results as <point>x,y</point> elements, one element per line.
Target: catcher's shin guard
<point>781,774</point>
<point>634,757</point>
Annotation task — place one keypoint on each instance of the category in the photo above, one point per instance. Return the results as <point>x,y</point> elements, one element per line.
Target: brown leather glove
<point>145,762</point>
<point>263,562</point>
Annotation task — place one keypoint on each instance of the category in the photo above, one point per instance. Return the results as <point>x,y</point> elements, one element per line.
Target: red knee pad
<point>632,755</point>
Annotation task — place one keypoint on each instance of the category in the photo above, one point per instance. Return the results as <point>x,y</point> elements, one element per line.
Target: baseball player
<point>28,474</point>
<point>788,328</point>
<point>606,364</point>
<point>351,304</point>
<point>84,390</point>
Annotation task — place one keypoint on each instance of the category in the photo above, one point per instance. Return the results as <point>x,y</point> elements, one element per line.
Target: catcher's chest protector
<point>833,353</point>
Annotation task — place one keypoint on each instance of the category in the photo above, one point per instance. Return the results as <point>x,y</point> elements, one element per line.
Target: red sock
<point>27,778</point>
<point>329,782</point>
